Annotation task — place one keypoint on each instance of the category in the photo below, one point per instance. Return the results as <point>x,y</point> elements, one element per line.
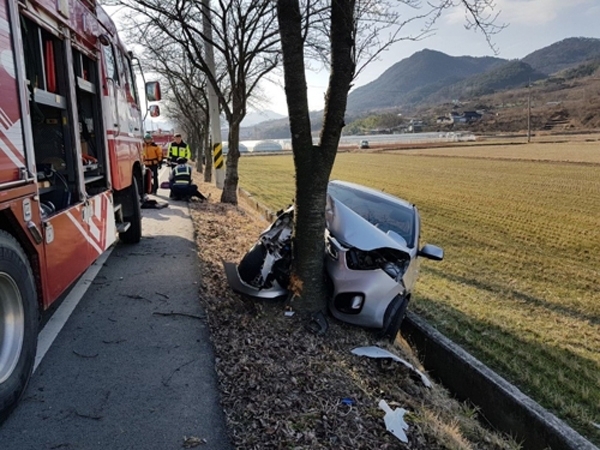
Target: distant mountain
<point>428,79</point>
<point>256,117</point>
<point>509,75</point>
<point>415,78</point>
<point>431,76</point>
<point>564,54</point>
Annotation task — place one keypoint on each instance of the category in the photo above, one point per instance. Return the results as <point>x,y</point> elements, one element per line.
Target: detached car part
<point>371,250</point>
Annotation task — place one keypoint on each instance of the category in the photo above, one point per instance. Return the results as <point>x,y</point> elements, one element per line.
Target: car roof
<point>373,192</point>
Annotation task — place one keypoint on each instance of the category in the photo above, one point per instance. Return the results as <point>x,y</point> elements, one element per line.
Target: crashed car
<point>371,251</point>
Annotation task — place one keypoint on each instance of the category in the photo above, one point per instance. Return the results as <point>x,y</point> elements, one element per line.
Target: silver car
<point>372,250</point>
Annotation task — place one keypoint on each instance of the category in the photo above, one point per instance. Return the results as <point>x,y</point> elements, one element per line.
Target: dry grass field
<point>520,284</point>
<point>581,152</point>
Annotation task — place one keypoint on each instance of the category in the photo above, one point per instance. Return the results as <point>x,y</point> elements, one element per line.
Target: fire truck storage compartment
<point>56,124</point>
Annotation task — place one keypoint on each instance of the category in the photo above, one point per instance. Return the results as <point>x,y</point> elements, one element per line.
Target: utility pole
<point>529,112</point>
<point>213,101</point>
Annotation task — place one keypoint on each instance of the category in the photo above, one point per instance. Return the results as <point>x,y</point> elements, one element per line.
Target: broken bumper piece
<point>239,286</point>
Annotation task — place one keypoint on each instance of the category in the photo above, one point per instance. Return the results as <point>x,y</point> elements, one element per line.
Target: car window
<point>385,215</point>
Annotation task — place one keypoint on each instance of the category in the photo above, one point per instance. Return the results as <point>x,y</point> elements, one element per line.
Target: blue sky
<point>532,24</point>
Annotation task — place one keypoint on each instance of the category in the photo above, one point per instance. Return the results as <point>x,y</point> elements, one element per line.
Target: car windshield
<point>384,214</point>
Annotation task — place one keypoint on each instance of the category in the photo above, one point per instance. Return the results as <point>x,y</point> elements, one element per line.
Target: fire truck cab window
<point>111,66</point>
<point>130,80</point>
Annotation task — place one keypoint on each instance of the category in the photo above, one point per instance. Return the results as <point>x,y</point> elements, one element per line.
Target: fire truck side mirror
<point>154,111</point>
<point>153,91</point>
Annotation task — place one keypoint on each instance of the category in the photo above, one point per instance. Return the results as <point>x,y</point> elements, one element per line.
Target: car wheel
<point>133,235</point>
<point>18,323</point>
<point>393,317</point>
<point>251,264</point>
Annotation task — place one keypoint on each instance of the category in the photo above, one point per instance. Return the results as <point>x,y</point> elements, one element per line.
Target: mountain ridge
<point>430,75</point>
<point>438,83</point>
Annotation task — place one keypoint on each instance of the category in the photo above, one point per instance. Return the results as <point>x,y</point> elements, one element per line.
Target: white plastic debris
<point>394,420</point>
<point>376,352</point>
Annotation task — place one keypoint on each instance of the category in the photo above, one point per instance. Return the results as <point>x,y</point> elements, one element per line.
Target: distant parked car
<point>372,245</point>
<point>364,144</point>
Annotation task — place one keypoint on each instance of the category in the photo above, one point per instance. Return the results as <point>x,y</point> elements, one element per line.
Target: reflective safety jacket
<point>181,150</point>
<point>181,175</point>
<point>152,154</point>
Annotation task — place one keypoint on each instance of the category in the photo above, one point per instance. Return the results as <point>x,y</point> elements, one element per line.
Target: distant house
<point>472,116</point>
<point>456,117</point>
<point>415,126</point>
<point>241,147</point>
<point>267,146</point>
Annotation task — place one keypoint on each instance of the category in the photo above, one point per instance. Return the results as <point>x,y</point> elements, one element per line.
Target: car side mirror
<point>154,111</point>
<point>430,251</point>
<point>153,91</point>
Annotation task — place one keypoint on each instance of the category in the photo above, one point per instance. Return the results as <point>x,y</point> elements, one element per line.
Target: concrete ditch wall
<point>501,403</point>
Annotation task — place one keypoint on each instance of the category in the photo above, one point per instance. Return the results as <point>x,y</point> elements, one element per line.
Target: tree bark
<point>198,146</point>
<point>229,194</point>
<point>208,163</point>
<point>313,163</point>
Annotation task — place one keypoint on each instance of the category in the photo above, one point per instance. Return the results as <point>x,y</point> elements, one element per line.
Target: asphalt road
<point>133,367</point>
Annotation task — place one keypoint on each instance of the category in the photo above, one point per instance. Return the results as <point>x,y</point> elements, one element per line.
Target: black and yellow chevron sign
<point>218,155</point>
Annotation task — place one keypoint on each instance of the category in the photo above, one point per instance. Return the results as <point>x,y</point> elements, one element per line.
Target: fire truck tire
<point>18,323</point>
<point>133,235</point>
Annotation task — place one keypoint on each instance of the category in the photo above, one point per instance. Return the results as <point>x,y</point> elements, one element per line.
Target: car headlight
<point>392,270</point>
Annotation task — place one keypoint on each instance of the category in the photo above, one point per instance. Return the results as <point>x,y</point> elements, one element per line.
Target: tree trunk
<point>208,162</point>
<point>198,146</point>
<point>313,164</point>
<point>309,219</point>
<point>229,194</point>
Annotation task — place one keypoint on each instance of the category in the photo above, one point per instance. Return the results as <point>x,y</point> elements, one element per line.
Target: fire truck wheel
<point>134,232</point>
<point>18,323</point>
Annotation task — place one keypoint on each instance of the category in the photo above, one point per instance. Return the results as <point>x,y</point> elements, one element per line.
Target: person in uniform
<point>152,159</point>
<point>181,184</point>
<point>178,149</point>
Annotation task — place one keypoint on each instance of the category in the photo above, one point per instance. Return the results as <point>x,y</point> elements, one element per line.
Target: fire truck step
<point>122,227</point>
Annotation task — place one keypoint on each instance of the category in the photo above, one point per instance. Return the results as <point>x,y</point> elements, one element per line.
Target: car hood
<point>351,229</point>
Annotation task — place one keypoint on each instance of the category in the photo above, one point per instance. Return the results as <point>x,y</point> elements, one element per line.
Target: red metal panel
<point>68,252</point>
<point>124,151</point>
<point>106,21</point>
<point>99,208</point>
<point>74,239</point>
<point>12,156</point>
<point>85,24</point>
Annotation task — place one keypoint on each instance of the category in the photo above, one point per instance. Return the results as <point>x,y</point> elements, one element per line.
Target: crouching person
<point>180,182</point>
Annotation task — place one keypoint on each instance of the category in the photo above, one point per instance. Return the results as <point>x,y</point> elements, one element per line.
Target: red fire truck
<point>71,171</point>
<point>163,138</point>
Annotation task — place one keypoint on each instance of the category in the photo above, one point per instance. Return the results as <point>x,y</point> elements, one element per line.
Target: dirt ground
<point>283,387</point>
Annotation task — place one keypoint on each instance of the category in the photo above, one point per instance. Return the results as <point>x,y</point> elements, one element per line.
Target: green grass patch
<point>520,284</point>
